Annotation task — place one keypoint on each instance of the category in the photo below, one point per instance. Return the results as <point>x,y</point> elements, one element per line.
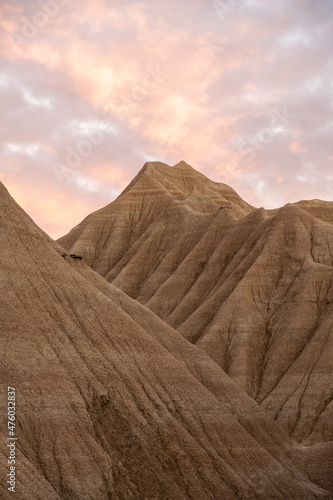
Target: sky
<point>242,90</point>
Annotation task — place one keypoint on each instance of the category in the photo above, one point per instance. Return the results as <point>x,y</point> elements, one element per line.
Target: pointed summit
<point>184,166</point>
<point>104,237</point>
<point>12,217</point>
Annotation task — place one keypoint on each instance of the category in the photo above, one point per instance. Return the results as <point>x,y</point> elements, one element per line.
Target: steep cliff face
<point>252,288</point>
<point>114,403</point>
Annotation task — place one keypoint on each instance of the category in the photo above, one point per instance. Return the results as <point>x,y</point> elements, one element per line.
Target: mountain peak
<point>183,165</point>
<point>169,170</point>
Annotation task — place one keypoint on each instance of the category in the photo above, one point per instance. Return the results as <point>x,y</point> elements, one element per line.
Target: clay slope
<point>114,403</point>
<point>105,236</point>
<point>252,288</point>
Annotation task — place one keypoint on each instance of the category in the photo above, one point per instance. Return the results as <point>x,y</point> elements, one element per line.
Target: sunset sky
<point>242,90</point>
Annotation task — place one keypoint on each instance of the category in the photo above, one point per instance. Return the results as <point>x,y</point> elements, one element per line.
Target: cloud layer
<point>240,89</point>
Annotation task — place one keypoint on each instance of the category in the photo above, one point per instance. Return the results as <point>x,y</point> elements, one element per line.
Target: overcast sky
<point>242,90</point>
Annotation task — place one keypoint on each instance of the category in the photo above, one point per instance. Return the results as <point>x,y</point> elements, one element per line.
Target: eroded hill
<point>114,403</point>
<point>252,288</point>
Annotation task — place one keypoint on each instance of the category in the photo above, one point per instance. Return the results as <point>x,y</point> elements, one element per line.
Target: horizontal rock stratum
<point>252,288</point>
<point>179,380</point>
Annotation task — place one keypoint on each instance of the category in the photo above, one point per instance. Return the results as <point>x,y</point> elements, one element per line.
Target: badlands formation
<point>175,345</point>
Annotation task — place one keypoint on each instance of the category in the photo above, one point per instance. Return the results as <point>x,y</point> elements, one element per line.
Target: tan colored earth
<point>252,288</point>
<point>200,368</point>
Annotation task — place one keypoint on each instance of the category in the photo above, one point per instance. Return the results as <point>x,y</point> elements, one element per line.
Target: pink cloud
<point>168,82</point>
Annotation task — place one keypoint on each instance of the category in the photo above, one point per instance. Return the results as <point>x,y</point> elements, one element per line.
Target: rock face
<point>252,288</point>
<point>112,401</point>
